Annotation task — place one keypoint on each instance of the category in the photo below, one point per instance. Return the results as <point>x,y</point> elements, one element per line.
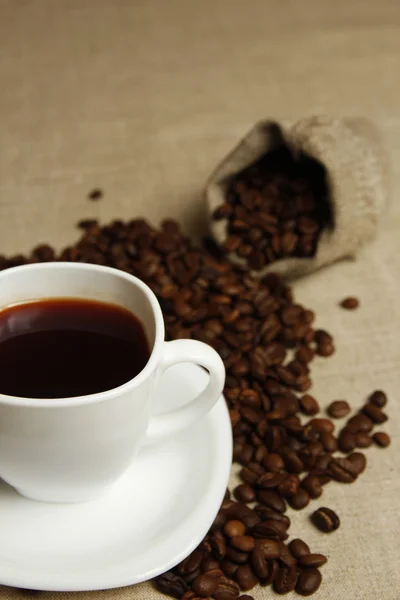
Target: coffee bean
<point>218,545</point>
<point>171,584</point>
<point>308,582</point>
<point>246,578</point>
<point>309,405</point>
<point>300,499</point>
<point>234,528</point>
<point>205,585</point>
<point>378,398</point>
<point>259,563</point>
<point>381,439</point>
<point>191,563</point>
<point>271,500</point>
<point>350,303</point>
<point>236,556</point>
<point>312,561</point>
<point>298,548</point>
<point>227,590</point>
<point>347,440</point>
<point>322,425</point>
<point>312,486</point>
<point>274,463</point>
<point>338,409</point>
<point>329,442</point>
<point>363,440</point>
<point>229,568</point>
<point>357,461</point>
<point>359,423</point>
<point>243,543</point>
<point>209,563</point>
<point>270,548</point>
<point>285,580</point>
<point>374,413</point>
<point>325,520</point>
<point>270,529</point>
<point>244,493</point>
<point>343,470</point>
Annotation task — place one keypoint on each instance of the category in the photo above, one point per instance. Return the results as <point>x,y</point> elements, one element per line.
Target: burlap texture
<point>142,99</point>
<point>357,176</point>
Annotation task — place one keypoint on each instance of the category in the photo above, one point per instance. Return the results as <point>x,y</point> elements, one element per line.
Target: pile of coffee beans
<point>276,208</point>
<point>287,454</point>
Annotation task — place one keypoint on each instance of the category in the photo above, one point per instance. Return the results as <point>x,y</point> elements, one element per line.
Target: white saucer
<point>151,520</point>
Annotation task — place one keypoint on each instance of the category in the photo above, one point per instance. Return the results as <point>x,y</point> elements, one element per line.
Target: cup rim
<point>108,394</point>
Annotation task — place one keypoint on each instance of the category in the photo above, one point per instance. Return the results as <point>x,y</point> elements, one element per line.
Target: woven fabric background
<point>143,98</point>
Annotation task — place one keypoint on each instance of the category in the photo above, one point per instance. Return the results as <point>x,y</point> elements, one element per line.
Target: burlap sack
<point>357,178</point>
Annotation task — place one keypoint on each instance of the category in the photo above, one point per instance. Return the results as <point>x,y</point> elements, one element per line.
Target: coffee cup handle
<point>187,351</point>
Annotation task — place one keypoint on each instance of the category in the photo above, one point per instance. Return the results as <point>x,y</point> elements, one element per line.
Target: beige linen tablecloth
<point>142,98</point>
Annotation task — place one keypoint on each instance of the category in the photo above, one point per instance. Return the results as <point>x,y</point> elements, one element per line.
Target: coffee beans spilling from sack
<point>293,198</point>
<point>287,454</point>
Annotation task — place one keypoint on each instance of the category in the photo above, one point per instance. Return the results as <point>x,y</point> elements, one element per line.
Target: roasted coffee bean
<point>298,548</point>
<point>285,580</point>
<point>228,567</point>
<point>171,584</point>
<point>243,543</point>
<point>274,463</point>
<point>270,529</point>
<point>374,413</point>
<point>272,500</point>
<point>270,480</point>
<point>322,425</point>
<point>308,404</point>
<point>293,463</point>
<point>249,476</point>
<point>259,563</point>
<point>338,409</point>
<point>314,561</point>
<point>359,423</point>
<point>244,493</point>
<point>267,514</point>
<point>326,520</point>
<point>329,442</point>
<point>246,578</point>
<point>381,439</point>
<point>209,563</point>
<point>218,546</point>
<point>312,486</point>
<point>289,486</point>
<point>347,440</point>
<point>300,499</point>
<point>234,528</point>
<point>363,440</point>
<point>205,585</point>
<point>358,462</point>
<point>308,582</point>
<point>227,590</point>
<point>191,563</point>
<point>342,469</point>
<point>240,558</point>
<point>350,303</point>
<point>378,398</point>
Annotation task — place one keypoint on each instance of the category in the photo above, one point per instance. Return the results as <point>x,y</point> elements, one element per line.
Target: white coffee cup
<point>73,449</point>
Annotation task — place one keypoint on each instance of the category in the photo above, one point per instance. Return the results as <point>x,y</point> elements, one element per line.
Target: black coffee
<point>65,347</point>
